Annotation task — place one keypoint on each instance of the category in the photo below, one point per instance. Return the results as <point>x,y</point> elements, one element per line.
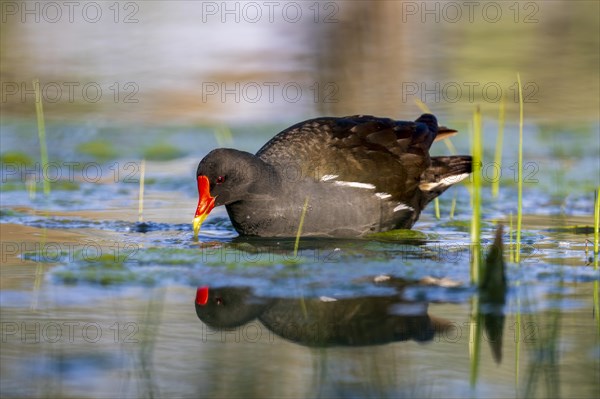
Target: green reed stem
<point>39,112</point>
<point>299,232</point>
<point>141,195</point>
<point>31,186</point>
<point>296,245</point>
<point>422,106</point>
<point>498,154</point>
<point>450,145</point>
<point>223,135</point>
<point>518,233</point>
<point>511,252</point>
<point>596,226</point>
<point>476,197</point>
<point>520,173</point>
<point>436,206</point>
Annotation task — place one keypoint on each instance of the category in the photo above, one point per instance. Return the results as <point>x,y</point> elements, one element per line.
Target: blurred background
<point>202,62</point>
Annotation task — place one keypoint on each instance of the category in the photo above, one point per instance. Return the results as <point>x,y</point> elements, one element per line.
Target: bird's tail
<point>443,173</point>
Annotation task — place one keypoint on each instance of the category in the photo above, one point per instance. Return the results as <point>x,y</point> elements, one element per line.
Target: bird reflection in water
<point>321,321</point>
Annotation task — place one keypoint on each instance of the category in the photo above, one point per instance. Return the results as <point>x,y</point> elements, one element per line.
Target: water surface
<point>93,304</point>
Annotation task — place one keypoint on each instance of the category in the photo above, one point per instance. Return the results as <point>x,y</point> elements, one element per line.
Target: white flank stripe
<point>327,299</point>
<point>381,278</point>
<point>428,186</point>
<point>450,180</point>
<point>402,206</point>
<point>383,195</point>
<point>445,182</point>
<point>328,177</point>
<point>355,184</point>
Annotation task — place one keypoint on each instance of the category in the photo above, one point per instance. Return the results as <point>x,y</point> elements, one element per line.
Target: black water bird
<point>349,176</point>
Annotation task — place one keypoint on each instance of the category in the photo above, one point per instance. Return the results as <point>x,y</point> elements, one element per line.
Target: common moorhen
<point>357,174</point>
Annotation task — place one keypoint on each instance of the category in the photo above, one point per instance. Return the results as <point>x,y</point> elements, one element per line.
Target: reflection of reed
<point>145,367</point>
<point>487,308</point>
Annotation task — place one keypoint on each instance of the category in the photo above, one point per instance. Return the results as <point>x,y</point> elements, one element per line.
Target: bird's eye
<point>220,179</point>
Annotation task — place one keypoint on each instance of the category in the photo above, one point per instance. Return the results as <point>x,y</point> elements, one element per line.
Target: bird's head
<point>224,176</point>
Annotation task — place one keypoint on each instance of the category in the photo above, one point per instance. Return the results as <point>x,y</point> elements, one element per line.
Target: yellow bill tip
<point>197,223</point>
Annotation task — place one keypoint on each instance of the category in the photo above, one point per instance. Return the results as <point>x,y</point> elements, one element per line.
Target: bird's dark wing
<point>386,154</point>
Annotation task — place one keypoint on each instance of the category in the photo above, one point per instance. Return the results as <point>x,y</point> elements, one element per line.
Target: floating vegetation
<point>95,275</point>
<point>400,235</point>
<point>463,225</point>
<point>571,229</point>
<point>16,158</point>
<point>162,152</point>
<point>100,150</point>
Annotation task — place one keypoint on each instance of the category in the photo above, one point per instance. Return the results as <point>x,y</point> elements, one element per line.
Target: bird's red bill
<point>206,203</point>
<point>202,296</point>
